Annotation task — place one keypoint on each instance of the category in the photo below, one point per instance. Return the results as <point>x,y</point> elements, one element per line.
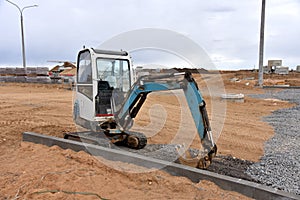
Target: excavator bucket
<point>199,161</point>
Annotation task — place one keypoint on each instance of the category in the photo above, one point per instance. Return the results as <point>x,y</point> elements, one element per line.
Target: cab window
<point>84,74</point>
<point>115,72</point>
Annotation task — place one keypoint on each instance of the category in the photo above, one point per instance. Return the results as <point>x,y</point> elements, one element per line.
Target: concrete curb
<point>247,188</point>
<point>280,87</point>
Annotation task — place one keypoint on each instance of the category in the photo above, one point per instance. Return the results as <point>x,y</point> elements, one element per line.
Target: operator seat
<point>103,97</point>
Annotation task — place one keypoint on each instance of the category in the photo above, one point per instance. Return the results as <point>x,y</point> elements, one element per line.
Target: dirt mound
<point>37,172</point>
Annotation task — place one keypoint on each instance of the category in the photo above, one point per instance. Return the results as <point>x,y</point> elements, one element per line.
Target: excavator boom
<point>147,84</point>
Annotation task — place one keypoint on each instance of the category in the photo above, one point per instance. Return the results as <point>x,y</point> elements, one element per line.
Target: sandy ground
<point>30,171</point>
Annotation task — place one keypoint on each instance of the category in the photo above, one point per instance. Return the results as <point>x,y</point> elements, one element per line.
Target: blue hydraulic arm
<point>147,84</point>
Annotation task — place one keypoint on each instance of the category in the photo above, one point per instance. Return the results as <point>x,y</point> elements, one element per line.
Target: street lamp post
<point>22,30</point>
<point>261,44</point>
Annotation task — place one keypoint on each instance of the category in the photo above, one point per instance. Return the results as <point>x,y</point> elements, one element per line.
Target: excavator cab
<point>101,75</point>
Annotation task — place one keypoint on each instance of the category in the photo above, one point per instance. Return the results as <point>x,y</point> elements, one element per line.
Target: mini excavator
<point>108,99</point>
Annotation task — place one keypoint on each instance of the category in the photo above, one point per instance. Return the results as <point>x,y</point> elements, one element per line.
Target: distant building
<point>275,66</point>
<point>140,71</point>
<point>298,68</point>
<point>281,70</point>
<point>272,64</point>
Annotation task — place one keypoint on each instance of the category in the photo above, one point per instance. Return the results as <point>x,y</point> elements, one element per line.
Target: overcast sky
<point>228,30</point>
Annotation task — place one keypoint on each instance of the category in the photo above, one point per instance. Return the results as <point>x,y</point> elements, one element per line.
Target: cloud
<point>221,9</point>
<point>58,29</point>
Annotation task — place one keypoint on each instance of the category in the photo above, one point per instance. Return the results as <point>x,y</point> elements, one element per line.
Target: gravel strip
<point>280,165</point>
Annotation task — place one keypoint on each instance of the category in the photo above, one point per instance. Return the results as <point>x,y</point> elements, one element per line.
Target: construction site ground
<point>31,171</point>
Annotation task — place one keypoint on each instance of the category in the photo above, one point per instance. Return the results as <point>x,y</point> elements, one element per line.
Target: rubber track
<point>93,136</point>
<point>141,137</point>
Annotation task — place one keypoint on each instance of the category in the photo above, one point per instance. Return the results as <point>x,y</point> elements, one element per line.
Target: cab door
<point>84,86</point>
